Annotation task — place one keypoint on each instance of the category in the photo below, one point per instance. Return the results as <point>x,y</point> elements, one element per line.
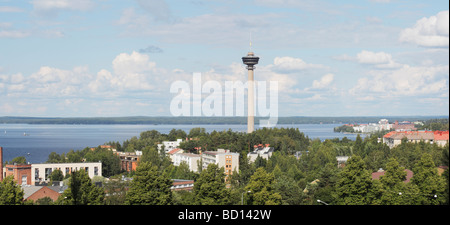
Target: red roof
<point>377,175</point>
<point>173,151</point>
<point>441,135</point>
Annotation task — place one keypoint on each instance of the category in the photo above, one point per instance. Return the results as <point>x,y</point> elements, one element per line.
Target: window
<point>24,179</point>
<point>48,171</point>
<point>36,173</point>
<point>96,170</point>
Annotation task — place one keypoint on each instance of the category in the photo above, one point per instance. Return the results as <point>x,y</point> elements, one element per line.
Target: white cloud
<point>405,81</point>
<point>46,5</point>
<point>429,32</point>
<point>14,34</point>
<point>373,58</point>
<point>288,64</point>
<point>380,60</point>
<point>324,82</point>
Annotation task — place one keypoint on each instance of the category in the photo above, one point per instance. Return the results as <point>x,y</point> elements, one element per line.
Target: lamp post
<point>320,201</point>
<point>242,198</point>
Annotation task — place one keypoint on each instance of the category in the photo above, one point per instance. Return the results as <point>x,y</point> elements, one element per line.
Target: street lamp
<point>320,201</point>
<point>242,198</point>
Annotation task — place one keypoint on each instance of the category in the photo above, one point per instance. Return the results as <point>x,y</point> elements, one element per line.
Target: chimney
<point>1,164</point>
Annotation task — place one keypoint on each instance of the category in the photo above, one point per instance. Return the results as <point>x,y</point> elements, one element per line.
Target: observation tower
<point>250,60</point>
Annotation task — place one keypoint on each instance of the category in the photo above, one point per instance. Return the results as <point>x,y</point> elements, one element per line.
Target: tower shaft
<point>250,104</point>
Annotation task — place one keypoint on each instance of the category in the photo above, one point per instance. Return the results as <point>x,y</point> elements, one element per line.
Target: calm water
<point>36,142</point>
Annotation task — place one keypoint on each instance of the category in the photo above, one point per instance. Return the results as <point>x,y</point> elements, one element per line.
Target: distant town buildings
<point>383,124</point>
<point>394,138</point>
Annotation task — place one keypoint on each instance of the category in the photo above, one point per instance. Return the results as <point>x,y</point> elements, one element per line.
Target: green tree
<point>10,192</point>
<point>56,175</point>
<point>150,186</point>
<point>260,189</point>
<point>391,188</point>
<point>81,191</point>
<point>210,187</point>
<point>354,183</point>
<point>431,185</point>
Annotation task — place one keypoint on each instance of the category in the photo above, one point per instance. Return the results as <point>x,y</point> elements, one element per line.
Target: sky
<point>104,58</point>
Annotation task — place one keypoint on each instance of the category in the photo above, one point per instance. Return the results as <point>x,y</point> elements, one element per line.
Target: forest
<point>302,171</point>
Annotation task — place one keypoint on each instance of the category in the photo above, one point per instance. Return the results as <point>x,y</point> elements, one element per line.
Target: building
<point>182,185</point>
<point>37,192</point>
<point>129,160</point>
<point>264,152</point>
<point>20,172</point>
<point>223,158</point>
<point>341,161</point>
<point>404,126</point>
<point>250,60</point>
<point>192,160</point>
<point>394,138</point>
<point>41,172</point>
<point>172,152</point>
<point>169,145</point>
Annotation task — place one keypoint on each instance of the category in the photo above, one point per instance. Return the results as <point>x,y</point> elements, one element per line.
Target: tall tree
<point>260,189</point>
<point>210,187</point>
<point>10,192</point>
<point>82,191</point>
<point>431,185</point>
<point>354,183</point>
<point>150,186</point>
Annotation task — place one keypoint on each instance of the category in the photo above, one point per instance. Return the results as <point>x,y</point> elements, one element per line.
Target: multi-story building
<point>41,172</point>
<point>264,152</point>
<point>129,160</point>
<point>223,158</point>
<point>192,160</point>
<point>394,138</point>
<point>169,145</point>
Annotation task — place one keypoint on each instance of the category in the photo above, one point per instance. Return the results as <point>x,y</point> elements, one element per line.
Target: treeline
<point>300,172</point>
<point>199,120</point>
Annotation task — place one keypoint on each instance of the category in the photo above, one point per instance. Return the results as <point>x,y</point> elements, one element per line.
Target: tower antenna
<point>250,41</point>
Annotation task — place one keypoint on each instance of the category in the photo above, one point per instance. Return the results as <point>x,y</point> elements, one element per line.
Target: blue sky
<point>119,58</point>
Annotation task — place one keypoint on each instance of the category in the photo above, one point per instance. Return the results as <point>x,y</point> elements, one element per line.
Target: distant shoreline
<point>144,120</point>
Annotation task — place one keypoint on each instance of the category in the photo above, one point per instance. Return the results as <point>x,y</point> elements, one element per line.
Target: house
<point>37,192</point>
<point>264,152</point>
<point>341,160</point>
<point>381,172</point>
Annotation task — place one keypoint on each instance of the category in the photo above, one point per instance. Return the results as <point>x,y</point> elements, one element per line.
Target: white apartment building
<point>169,145</point>
<point>41,172</point>
<point>223,158</point>
<point>192,160</point>
<point>263,152</point>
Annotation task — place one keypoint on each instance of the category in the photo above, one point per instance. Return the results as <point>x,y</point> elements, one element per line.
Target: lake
<point>36,142</point>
